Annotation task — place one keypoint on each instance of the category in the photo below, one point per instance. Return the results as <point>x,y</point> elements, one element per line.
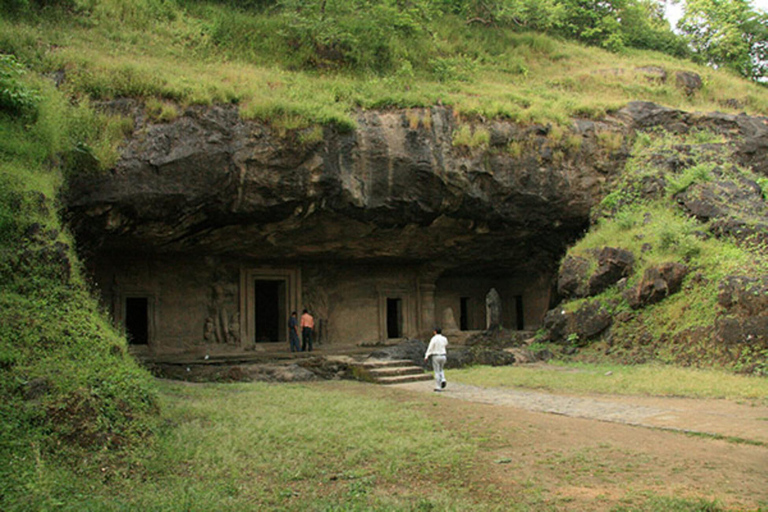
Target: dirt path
<point>554,452</point>
<point>712,417</point>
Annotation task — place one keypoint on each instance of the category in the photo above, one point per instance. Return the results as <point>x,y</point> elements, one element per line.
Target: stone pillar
<point>427,320</point>
<point>492,310</point>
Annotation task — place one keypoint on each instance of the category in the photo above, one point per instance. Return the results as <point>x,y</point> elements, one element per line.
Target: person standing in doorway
<point>293,332</point>
<point>438,350</point>
<point>307,325</point>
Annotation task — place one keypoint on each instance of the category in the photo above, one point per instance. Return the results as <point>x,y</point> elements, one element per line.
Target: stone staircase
<point>390,371</point>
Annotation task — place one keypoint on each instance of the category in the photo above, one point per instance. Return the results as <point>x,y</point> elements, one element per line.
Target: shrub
<point>16,97</point>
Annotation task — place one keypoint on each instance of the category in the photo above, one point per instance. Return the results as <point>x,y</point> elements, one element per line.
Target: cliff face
<point>423,186</point>
<point>400,187</point>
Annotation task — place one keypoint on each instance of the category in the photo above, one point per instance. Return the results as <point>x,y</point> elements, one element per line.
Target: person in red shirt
<point>307,325</point>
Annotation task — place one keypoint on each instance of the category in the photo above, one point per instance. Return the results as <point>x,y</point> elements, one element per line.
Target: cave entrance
<point>267,296</point>
<point>520,319</point>
<point>394,318</point>
<point>137,320</point>
<point>464,313</point>
<point>269,310</point>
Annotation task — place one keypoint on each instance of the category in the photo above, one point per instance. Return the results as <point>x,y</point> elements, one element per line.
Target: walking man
<point>293,332</point>
<point>437,349</point>
<point>307,325</point>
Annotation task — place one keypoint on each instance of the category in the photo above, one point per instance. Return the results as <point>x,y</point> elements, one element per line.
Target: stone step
<point>391,371</point>
<point>385,363</point>
<point>399,379</point>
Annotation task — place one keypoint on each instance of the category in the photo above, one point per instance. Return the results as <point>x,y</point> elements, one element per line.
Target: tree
<point>727,34</point>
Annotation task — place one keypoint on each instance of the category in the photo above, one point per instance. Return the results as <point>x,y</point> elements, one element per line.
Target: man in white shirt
<point>437,349</point>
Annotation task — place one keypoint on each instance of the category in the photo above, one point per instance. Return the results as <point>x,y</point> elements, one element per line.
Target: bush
<point>16,98</point>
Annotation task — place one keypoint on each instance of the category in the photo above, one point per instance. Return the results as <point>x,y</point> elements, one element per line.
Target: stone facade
<point>171,304</point>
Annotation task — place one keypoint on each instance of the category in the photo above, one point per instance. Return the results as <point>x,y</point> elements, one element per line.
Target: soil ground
<point>559,452</point>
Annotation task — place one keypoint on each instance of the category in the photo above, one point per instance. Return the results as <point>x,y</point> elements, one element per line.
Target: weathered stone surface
<point>688,81</point>
<point>656,284</point>
<point>213,183</point>
<point>654,74</point>
<point>744,295</point>
<point>744,319</point>
<point>411,350</point>
<point>733,207</point>
<point>459,357</point>
<point>498,338</point>
<point>575,279</point>
<point>591,319</point>
<point>588,322</point>
<point>613,265</point>
<point>492,310</point>
<point>572,278</point>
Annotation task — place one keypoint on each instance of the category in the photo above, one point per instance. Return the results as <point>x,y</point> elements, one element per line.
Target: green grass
<point>271,447</point>
<point>327,447</point>
<point>204,54</point>
<point>642,380</point>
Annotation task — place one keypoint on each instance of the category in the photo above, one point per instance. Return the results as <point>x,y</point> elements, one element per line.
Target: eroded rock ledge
<point>398,187</point>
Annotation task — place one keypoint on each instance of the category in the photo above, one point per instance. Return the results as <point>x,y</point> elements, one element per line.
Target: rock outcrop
<point>399,187</point>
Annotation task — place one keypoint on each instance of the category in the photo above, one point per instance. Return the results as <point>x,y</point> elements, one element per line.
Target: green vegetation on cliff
<point>293,64</point>
<point>68,385</point>
<point>682,201</point>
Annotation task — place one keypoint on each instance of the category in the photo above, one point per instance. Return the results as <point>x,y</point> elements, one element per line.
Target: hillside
<point>67,378</point>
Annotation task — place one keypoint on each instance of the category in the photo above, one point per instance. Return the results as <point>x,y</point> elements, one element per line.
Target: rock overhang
<point>213,183</point>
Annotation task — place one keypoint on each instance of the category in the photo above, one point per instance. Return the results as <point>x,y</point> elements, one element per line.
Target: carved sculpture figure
<point>233,334</point>
<point>209,331</point>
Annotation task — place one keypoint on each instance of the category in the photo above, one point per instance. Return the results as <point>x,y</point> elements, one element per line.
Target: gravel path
<point>704,416</point>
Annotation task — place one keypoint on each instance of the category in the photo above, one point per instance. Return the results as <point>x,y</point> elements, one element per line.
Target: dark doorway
<point>269,310</point>
<point>137,320</point>
<point>394,318</point>
<point>519,312</point>
<point>464,314</point>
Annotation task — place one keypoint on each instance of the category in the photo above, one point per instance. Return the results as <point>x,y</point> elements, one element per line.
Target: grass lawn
<point>351,446</point>
<point>644,380</point>
<point>272,447</point>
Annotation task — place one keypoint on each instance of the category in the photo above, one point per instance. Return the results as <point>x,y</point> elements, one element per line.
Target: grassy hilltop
<point>68,385</point>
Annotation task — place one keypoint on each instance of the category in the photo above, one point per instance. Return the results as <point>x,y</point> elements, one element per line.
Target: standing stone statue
<point>209,331</point>
<point>492,310</point>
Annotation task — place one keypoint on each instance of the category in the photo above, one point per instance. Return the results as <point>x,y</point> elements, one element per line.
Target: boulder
<point>589,321</point>
<point>657,283</point>
<point>572,278</point>
<point>612,265</point>
<point>575,280</point>
<point>688,81</point>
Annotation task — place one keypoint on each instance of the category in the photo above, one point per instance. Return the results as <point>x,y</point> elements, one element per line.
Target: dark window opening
<point>394,318</point>
<point>464,314</point>
<point>519,312</point>
<point>269,312</point>
<point>137,320</point>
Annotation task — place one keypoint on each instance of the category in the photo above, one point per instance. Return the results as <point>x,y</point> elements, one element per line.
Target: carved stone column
<point>427,320</point>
